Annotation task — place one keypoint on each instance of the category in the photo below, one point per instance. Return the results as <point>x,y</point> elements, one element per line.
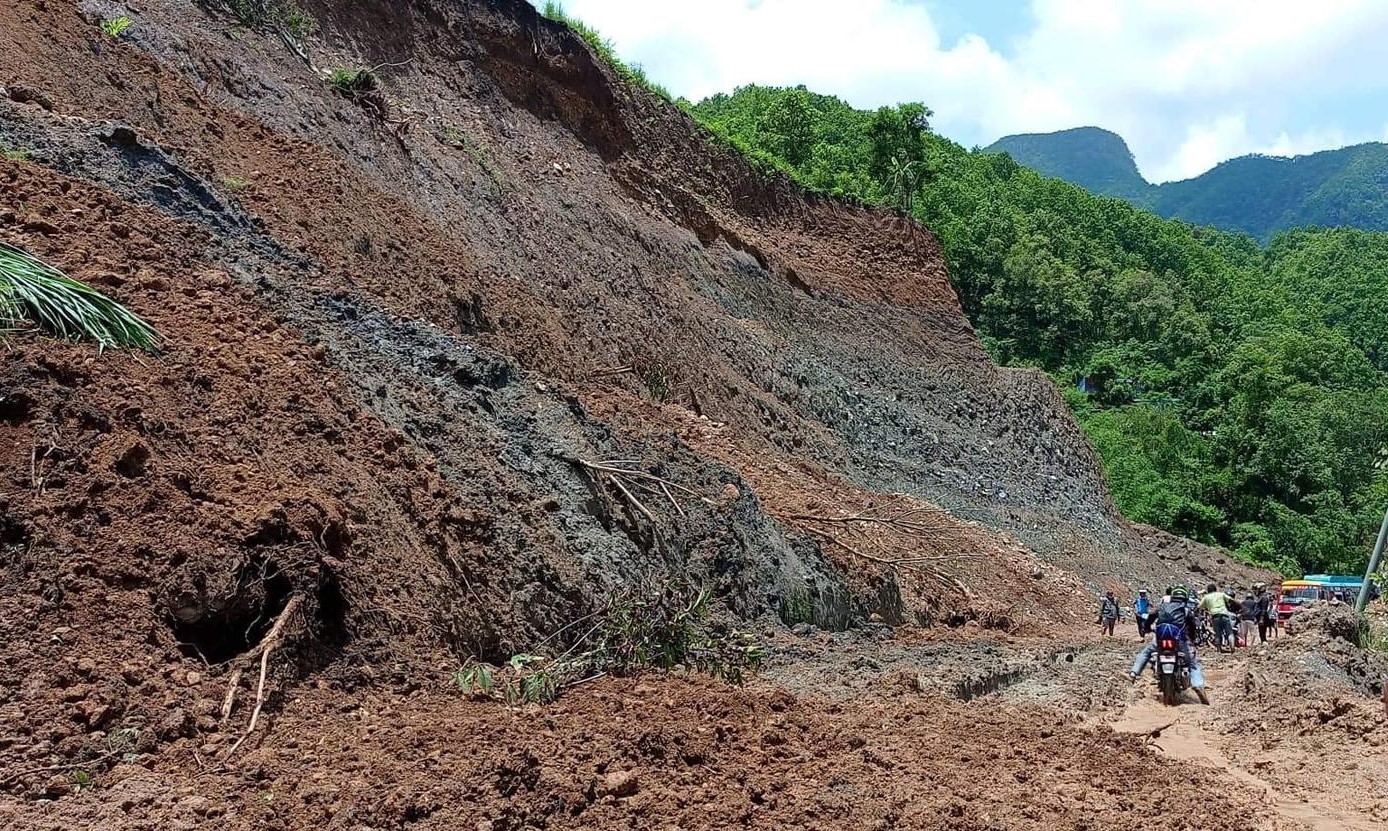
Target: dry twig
<point>602,467</point>
<point>635,503</point>
<point>608,372</point>
<point>55,768</point>
<point>905,521</point>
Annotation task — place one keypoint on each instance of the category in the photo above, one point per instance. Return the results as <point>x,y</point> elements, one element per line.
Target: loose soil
<point>395,333</point>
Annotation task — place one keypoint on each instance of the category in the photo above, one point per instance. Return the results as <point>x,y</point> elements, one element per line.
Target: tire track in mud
<point>1190,733</point>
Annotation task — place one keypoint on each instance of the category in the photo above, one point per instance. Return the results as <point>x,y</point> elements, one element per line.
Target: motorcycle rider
<point>1142,608</point>
<point>1173,613</point>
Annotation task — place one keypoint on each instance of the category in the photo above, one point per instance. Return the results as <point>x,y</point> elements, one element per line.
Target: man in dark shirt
<point>1248,615</point>
<point>1265,612</point>
<point>1108,612</point>
<point>1173,613</point>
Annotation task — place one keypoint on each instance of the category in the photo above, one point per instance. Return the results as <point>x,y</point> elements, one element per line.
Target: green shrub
<point>602,47</point>
<point>292,20</point>
<point>1372,634</point>
<point>283,15</point>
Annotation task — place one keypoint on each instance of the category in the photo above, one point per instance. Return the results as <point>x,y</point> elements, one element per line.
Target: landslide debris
<point>401,361</point>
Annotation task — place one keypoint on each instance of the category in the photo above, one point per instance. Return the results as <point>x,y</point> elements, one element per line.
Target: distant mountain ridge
<point>1091,157</point>
<point>1257,195</point>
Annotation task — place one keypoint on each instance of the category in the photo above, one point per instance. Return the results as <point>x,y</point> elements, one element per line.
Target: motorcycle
<point>1204,634</point>
<point>1173,674</point>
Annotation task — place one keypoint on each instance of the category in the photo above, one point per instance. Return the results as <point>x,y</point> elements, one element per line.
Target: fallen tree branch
<point>611,372</point>
<point>632,500</point>
<point>1155,733</point>
<point>886,561</point>
<point>914,564</point>
<point>266,647</point>
<point>897,522</point>
<point>640,474</point>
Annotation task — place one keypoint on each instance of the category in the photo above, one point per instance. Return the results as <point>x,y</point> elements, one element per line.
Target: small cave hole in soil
<point>331,614</point>
<point>13,539</point>
<point>222,635</point>
<point>14,408</point>
<point>132,462</point>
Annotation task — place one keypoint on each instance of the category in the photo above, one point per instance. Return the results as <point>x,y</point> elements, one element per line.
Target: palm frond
<point>31,290</point>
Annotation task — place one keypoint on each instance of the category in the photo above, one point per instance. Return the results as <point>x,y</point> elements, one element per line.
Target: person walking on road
<point>1142,608</point>
<point>1108,613</point>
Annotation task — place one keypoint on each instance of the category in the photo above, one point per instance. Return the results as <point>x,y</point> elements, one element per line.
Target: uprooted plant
<point>33,291</point>
<point>627,481</point>
<point>663,627</point>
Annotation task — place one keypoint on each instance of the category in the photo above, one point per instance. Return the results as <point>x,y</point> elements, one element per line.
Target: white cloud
<point>1187,82</point>
<point>1205,146</point>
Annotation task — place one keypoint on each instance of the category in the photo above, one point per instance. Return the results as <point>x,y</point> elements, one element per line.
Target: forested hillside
<point>1090,157</point>
<point>1237,394</point>
<point>1257,195</point>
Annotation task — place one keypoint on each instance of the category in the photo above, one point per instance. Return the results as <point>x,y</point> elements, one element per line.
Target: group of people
<point>1233,620</point>
<point>1178,614</point>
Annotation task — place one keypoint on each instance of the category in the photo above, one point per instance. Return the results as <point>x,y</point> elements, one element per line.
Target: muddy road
<point>1204,737</point>
<point>1286,774</point>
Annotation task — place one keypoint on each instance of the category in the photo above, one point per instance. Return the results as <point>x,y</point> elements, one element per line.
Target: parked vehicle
<point>1345,587</point>
<point>1296,593</point>
<point>1293,595</point>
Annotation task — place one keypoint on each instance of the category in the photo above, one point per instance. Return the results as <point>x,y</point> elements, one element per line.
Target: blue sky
<point>1188,83</point>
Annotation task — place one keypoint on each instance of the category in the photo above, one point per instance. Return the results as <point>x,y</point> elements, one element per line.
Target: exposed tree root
<point>230,700</point>
<point>265,648</point>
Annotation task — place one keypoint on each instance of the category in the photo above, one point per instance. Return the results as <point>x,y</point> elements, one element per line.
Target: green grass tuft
<point>114,27</point>
<point>14,154</point>
<point>353,80</point>
<point>31,290</point>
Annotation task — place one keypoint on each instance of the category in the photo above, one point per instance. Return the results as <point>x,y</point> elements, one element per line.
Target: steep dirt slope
<point>395,331</point>
<point>548,210</point>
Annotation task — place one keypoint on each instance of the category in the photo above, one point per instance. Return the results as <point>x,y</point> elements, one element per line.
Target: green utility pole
<point>1363,598</point>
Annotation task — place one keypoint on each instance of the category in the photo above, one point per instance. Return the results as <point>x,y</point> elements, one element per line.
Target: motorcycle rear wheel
<point>1168,690</point>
